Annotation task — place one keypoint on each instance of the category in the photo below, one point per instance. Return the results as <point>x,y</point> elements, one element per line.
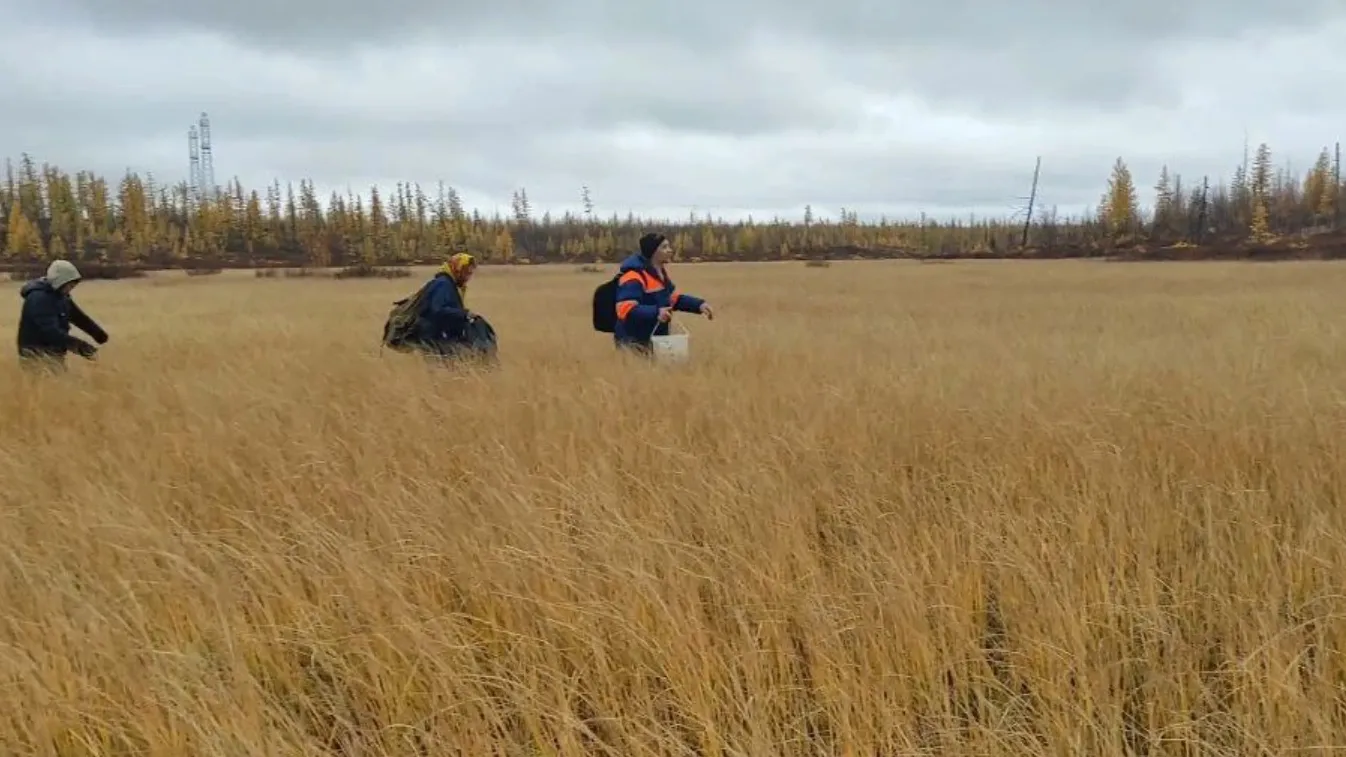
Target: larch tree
<point>1319,189</point>
<point>23,240</point>
<point>1119,204</point>
<point>1164,205</point>
<point>1259,224</point>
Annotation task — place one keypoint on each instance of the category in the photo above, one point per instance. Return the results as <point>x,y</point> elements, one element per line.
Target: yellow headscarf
<point>457,263</point>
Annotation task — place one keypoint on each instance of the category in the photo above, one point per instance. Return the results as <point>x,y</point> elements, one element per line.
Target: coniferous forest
<point>131,221</point>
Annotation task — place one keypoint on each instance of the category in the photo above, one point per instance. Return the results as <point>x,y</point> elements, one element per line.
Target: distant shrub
<point>364,271</point>
<point>204,271</point>
<point>109,271</point>
<point>818,263</point>
<point>290,273</point>
<point>590,269</point>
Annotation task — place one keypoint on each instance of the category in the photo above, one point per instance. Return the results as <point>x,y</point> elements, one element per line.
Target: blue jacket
<point>442,317</point>
<point>642,290</point>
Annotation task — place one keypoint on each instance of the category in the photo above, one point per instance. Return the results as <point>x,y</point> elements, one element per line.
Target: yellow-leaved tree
<point>1118,207</point>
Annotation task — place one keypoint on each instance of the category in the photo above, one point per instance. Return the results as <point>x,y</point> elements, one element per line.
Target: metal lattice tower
<point>193,165</point>
<point>207,159</point>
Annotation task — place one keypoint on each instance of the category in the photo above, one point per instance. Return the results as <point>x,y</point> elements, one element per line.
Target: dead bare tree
<point>1027,210</point>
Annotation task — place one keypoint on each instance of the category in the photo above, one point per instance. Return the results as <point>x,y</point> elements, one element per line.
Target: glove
<point>86,350</point>
<point>102,338</point>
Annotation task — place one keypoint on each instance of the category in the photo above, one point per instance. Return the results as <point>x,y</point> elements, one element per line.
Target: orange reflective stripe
<point>650,283</point>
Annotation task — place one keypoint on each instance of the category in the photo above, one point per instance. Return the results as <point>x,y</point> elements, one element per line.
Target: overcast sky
<point>722,106</point>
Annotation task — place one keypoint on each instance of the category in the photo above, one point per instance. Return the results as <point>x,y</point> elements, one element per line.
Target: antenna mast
<point>207,175</point>
<point>193,165</point>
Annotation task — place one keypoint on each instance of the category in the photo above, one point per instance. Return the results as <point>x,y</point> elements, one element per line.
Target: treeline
<point>132,220</point>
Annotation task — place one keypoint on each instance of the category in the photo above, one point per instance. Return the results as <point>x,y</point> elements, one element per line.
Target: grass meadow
<point>887,509</point>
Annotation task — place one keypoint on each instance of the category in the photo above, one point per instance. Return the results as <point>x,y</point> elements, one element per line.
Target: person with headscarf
<point>444,322</point>
<point>48,312</point>
<point>647,296</point>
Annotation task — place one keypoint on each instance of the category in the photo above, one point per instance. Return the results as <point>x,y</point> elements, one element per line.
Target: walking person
<point>436,322</point>
<point>48,312</point>
<point>647,297</point>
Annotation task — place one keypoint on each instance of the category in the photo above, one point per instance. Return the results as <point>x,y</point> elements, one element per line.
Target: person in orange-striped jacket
<point>647,297</point>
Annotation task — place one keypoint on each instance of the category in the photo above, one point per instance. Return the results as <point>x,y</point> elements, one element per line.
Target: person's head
<point>460,267</point>
<point>655,248</point>
<point>63,276</point>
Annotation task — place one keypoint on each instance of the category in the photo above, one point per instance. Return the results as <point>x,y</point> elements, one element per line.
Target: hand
<point>86,350</point>
<point>665,315</point>
<point>707,311</point>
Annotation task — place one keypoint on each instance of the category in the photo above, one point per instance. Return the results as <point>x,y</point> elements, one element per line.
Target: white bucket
<point>671,348</point>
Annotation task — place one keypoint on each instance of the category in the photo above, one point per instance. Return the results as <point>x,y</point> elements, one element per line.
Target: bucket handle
<point>682,329</point>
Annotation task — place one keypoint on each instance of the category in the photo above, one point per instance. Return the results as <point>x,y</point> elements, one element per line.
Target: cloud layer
<point>725,108</point>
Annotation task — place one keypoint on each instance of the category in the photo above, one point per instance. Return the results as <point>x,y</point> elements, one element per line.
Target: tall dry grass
<point>890,508</point>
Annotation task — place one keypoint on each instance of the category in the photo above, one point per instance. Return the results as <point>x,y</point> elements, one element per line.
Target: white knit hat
<point>61,272</point>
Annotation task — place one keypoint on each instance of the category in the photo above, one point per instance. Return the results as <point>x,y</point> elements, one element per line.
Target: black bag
<point>476,343</point>
<point>480,337</point>
<point>605,306</point>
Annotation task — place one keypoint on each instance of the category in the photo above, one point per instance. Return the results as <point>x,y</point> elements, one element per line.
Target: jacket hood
<point>636,262</point>
<point>61,272</point>
<point>35,285</point>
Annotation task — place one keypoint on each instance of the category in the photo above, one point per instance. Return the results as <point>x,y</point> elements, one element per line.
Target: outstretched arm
<point>686,303</point>
<point>81,320</point>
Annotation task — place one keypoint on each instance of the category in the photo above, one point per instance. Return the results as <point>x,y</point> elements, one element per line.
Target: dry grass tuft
<point>990,508</point>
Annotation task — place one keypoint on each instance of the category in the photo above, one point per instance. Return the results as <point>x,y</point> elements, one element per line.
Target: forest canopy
<point>132,220</point>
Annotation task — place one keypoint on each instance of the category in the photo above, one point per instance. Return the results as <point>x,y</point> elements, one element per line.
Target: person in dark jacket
<point>442,326</point>
<point>647,297</point>
<point>48,313</point>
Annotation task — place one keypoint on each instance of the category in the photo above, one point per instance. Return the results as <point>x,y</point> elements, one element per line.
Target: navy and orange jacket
<point>642,290</point>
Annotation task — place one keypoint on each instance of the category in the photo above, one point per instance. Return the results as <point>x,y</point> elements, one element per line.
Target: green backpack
<point>401,323</point>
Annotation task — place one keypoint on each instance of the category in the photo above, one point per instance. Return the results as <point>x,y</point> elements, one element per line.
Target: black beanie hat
<point>650,242</point>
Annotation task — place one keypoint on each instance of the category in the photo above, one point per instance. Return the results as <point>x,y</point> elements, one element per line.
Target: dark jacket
<point>44,324</point>
<point>642,291</point>
<point>443,317</point>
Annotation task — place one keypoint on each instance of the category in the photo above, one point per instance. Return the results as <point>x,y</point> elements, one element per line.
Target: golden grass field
<point>888,509</point>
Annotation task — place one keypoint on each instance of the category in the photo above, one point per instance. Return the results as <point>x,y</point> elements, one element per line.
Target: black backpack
<point>605,306</point>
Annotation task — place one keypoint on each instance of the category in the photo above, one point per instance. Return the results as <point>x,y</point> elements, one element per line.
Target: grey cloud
<point>1044,24</point>
<point>990,57</point>
<point>485,160</point>
<point>971,22</point>
<point>740,108</point>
